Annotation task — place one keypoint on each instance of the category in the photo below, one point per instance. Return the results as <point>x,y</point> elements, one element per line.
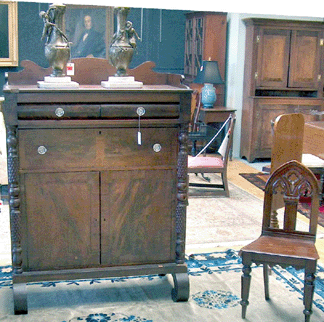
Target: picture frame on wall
<point>89,29</point>
<point>8,33</point>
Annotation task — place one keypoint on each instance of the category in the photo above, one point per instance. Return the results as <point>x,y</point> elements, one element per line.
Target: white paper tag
<point>70,69</point>
<point>139,138</point>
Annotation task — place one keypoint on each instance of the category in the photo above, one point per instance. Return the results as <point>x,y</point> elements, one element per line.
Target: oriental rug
<point>214,296</point>
<point>259,180</point>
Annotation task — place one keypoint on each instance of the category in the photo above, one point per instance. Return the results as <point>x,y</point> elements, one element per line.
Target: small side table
<point>216,114</point>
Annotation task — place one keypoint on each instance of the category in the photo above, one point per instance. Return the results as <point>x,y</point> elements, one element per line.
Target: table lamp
<point>208,75</point>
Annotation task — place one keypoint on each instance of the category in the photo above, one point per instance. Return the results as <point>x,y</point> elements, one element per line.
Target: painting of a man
<point>90,43</point>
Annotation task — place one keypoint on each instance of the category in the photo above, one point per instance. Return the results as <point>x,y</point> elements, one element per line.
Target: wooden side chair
<point>214,164</point>
<point>285,246</point>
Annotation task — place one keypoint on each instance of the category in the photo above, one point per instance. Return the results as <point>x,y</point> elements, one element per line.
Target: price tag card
<point>70,69</point>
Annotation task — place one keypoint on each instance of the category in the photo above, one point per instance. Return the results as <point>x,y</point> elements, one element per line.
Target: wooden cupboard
<point>205,38</point>
<point>87,200</point>
<point>283,74</point>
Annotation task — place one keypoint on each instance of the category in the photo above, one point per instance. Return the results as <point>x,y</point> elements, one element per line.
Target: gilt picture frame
<point>99,20</point>
<point>8,34</point>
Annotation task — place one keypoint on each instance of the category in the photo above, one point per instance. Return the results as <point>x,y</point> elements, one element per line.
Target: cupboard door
<point>62,220</point>
<point>199,25</point>
<point>266,116</point>
<point>138,216</point>
<point>189,50</point>
<point>273,58</point>
<point>305,59</point>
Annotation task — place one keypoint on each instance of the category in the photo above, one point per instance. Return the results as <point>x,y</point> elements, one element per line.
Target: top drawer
<point>94,111</point>
<point>54,111</point>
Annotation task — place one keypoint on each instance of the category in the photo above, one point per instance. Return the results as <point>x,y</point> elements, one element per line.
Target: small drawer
<point>62,111</point>
<point>57,149</point>
<point>130,111</point>
<point>120,148</point>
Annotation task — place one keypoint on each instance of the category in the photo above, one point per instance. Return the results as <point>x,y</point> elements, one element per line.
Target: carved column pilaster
<point>14,198</point>
<point>182,194</point>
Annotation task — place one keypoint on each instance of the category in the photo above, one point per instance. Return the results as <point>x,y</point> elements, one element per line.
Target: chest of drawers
<point>87,198</point>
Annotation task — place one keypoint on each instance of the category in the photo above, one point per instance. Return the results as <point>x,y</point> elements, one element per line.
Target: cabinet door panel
<point>138,216</point>
<point>305,59</point>
<point>273,58</point>
<point>267,115</point>
<point>62,220</point>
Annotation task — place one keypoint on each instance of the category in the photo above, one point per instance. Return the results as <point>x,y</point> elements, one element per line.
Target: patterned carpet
<point>260,179</point>
<point>214,296</point>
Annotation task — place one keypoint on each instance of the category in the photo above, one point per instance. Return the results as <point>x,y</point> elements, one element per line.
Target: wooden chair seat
<point>291,247</point>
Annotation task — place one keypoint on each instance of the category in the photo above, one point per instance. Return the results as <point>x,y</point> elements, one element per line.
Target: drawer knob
<point>59,112</point>
<point>140,111</point>
<point>41,149</point>
<point>157,147</point>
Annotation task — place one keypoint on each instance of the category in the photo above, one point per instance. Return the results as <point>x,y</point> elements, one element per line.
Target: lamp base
<point>208,95</point>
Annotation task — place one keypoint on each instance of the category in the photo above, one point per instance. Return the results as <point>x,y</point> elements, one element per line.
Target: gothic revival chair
<point>286,245</point>
<point>214,164</point>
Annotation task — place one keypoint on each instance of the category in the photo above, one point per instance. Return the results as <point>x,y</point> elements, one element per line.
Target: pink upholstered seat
<point>205,162</point>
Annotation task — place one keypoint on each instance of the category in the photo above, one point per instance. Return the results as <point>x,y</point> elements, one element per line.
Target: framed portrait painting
<point>89,29</point>
<point>8,33</point>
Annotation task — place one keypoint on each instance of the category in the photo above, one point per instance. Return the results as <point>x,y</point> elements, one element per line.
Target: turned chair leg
<point>245,288</point>
<point>266,281</point>
<point>308,294</point>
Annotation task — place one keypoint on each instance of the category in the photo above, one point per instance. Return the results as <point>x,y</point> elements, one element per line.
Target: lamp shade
<point>209,73</point>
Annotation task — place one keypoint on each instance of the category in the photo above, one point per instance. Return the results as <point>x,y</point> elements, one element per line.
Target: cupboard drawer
<point>53,111</point>
<point>113,148</point>
<point>129,111</point>
<point>57,149</point>
<point>119,148</point>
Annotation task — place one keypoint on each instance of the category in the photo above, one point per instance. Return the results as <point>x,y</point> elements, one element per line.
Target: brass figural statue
<point>123,43</point>
<point>57,46</point>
